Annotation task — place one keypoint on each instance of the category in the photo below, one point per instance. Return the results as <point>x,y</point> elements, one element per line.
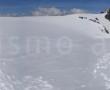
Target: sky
<point>7,6</point>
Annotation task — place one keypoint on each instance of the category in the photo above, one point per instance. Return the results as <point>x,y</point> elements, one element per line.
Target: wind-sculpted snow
<point>102,70</point>
<point>27,83</point>
<point>5,82</point>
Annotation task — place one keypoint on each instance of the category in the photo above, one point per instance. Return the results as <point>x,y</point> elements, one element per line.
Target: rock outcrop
<point>107,16</point>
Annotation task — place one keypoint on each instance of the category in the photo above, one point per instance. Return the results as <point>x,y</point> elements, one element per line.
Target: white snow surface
<point>55,52</point>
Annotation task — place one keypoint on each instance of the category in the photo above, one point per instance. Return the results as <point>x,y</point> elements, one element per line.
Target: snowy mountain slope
<point>70,22</point>
<point>54,52</point>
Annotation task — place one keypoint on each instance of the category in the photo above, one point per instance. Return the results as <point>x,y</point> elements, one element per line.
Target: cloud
<point>8,14</point>
<point>47,12</point>
<point>74,10</point>
<point>56,12</point>
<point>52,11</point>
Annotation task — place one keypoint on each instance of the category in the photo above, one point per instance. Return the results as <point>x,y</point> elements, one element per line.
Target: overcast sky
<point>28,5</point>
